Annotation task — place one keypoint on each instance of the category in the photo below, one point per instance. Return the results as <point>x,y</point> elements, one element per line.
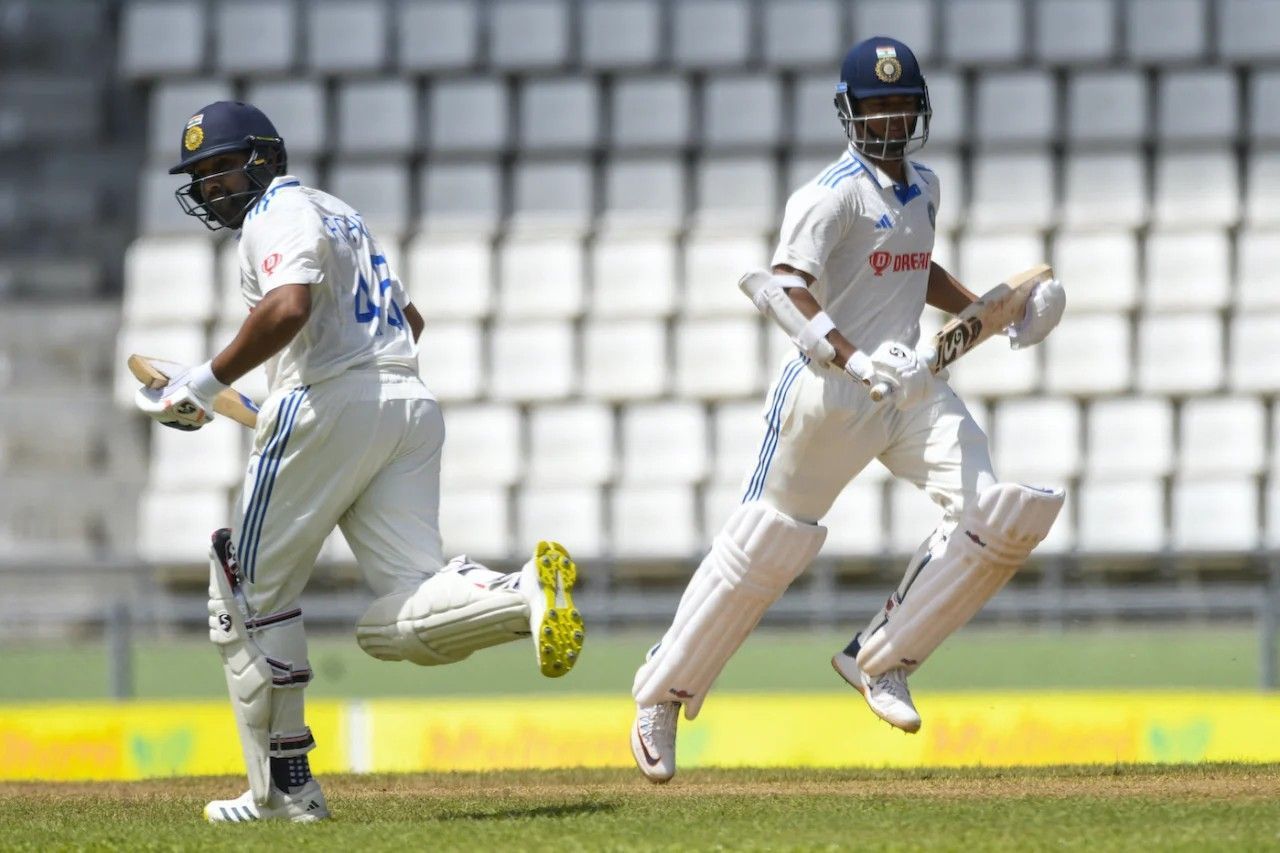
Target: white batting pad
<point>752,561</point>
<point>959,573</point>
<point>442,621</point>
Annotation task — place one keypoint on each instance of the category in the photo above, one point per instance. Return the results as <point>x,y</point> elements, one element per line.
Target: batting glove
<point>1044,310</point>
<point>909,379</point>
<point>186,403</point>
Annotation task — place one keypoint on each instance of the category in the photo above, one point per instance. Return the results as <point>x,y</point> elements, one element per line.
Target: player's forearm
<point>808,305</point>
<point>275,321</point>
<point>945,292</point>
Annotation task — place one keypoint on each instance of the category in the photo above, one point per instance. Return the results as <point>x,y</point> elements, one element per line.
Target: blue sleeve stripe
<point>851,169</point>
<point>834,167</point>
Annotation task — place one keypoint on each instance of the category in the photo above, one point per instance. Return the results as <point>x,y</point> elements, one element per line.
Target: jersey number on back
<point>368,307</point>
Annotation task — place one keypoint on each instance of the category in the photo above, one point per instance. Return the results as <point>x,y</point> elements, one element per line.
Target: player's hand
<point>1044,310</point>
<point>897,365</point>
<point>186,403</point>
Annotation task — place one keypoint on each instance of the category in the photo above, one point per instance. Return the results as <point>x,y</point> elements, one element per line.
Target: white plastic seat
<point>346,36</point>
<point>854,526</point>
<point>718,358</point>
<point>1130,437</point>
<point>1246,30</point>
<point>1212,91</point>
<point>169,281</point>
<point>994,370</point>
<point>297,109</point>
<point>1105,190</point>
<point>1262,185</point>
<point>1258,268</point>
<point>1012,190</point>
<point>552,196</point>
<point>180,343</point>
<point>736,190</point>
<point>1264,106</point>
<point>1219,514</point>
<point>621,33</point>
<point>571,444</point>
<point>984,32</point>
<point>270,46</point>
<point>1088,355</point>
<point>1015,108</point>
<point>461,197</point>
<point>437,35</point>
<point>377,117</point>
<point>1107,106</point>
<point>1187,270</point>
<point>1197,190</point>
<point>988,259</point>
<point>451,360</point>
<point>1163,346</point>
<point>727,121</point>
<point>532,361</point>
<point>161,38</point>
<point>467,115</point>
<point>1074,31</point>
<point>800,33</point>
<point>655,521</point>
<point>450,278</point>
<point>540,277</point>
<point>1037,439</point>
<point>528,34</point>
<point>912,517</point>
<point>1254,366</point>
<point>571,515</point>
<point>718,502</point>
<point>664,443</point>
<point>1160,31</point>
<point>379,191</point>
<point>1222,436</point>
<point>158,210</point>
<point>712,266</point>
<point>1121,516</point>
<point>174,525</point>
<point>558,114</point>
<point>216,461</point>
<point>624,359</point>
<point>651,113</point>
<point>483,447</point>
<point>172,103</point>
<point>711,33</point>
<point>813,124</point>
<point>644,194</point>
<point>475,520</point>
<point>633,277</point>
<point>1100,268</point>
<point>911,21</point>
<point>739,431</point>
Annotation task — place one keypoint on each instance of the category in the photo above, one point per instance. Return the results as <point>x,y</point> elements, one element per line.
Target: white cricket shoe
<point>556,625</point>
<point>887,694</point>
<point>303,806</point>
<point>653,740</point>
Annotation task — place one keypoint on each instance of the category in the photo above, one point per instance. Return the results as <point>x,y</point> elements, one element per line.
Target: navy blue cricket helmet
<point>228,127</point>
<point>879,67</point>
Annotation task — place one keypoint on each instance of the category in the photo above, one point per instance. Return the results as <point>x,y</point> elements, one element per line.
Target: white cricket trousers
<point>822,428</point>
<point>360,451</point>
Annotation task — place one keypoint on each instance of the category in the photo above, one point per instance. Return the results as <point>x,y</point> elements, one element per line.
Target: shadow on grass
<point>554,811</point>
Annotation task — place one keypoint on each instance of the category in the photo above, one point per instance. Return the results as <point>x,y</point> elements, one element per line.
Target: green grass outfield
<point>1214,807</point>
<point>1187,657</point>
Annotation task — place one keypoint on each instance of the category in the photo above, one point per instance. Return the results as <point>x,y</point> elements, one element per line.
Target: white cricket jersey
<point>300,235</point>
<point>867,242</point>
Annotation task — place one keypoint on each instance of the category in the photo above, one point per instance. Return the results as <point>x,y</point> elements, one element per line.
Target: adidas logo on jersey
<point>884,222</point>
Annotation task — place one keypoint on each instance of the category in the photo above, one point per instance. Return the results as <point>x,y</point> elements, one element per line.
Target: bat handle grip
<point>880,390</point>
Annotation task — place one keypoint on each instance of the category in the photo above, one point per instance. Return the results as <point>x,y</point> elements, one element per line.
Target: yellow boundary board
<point>137,740</point>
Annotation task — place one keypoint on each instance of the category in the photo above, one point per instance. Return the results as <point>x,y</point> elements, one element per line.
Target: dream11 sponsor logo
<point>903,261</point>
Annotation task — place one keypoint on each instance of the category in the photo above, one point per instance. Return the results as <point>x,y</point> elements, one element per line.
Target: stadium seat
<point>624,359</point>
<point>450,278</point>
<point>571,515</point>
<point>1125,516</point>
<point>948,126</point>
<point>1219,514</point>
<point>161,38</point>
<point>1089,355</point>
<point>528,34</point>
<point>987,259</point>
<point>1196,190</point>
<point>476,521</point>
<point>378,191</point>
<point>346,36</point>
<point>812,124</point>
<point>984,32</point>
<point>854,522</point>
<point>632,277</point>
<point>736,191</point>
<point>712,266</point>
<point>1258,268</point>
<point>1222,436</point>
<point>377,117</point>
<point>655,522</point>
<point>711,33</point>
<point>739,430</point>
<point>643,195</point>
<point>1197,106</point>
<point>1106,107</point>
<point>621,34</point>
<point>552,196</point>
<point>451,360</point>
<point>52,434</point>
<point>1264,106</point>
<point>1245,30</point>
<point>1163,345</point>
<point>650,113</point>
<point>664,443</point>
<point>297,109</point>
<point>1070,32</point>
<point>912,517</point>
<point>558,114</point>
<point>728,123</point>
<point>269,46</point>
<point>216,461</point>
<point>1187,270</point>
<point>1253,366</point>
<point>467,116</point>
<point>169,281</point>
<point>911,21</point>
<point>718,502</point>
<point>718,358</point>
<point>1165,31</point>
<point>1100,268</point>
<point>994,370</point>
<point>1104,190</point>
<point>437,35</point>
<point>540,278</point>
<point>1014,108</point>
<point>1012,190</point>
<point>483,447</point>
<point>532,361</point>
<point>1262,185</point>
<point>571,444</point>
<point>172,104</point>
<point>174,525</point>
<point>182,343</point>
<point>1130,437</point>
<point>461,197</point>
<point>801,33</point>
<point>1037,440</point>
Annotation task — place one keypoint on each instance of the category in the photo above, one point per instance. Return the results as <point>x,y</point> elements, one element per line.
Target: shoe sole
<point>561,633</point>
<point>858,687</point>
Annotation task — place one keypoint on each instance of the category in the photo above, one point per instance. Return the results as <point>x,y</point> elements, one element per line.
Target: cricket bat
<point>999,307</point>
<point>154,373</point>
